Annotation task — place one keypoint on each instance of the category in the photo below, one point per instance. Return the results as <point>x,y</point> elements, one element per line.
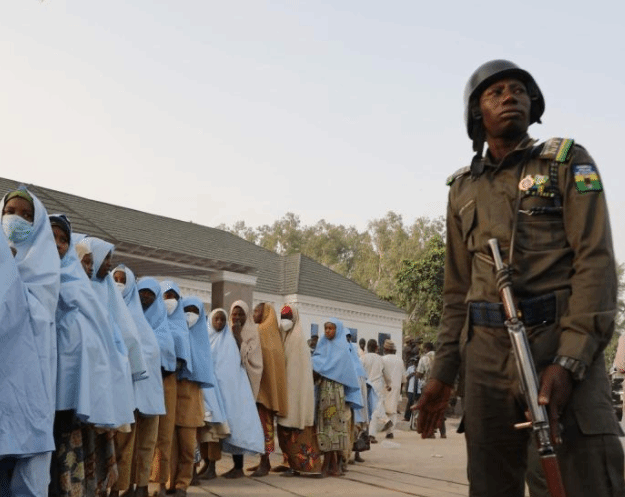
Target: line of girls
<point>108,383</point>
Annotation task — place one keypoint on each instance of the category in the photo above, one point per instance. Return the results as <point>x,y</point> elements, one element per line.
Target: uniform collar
<point>526,143</point>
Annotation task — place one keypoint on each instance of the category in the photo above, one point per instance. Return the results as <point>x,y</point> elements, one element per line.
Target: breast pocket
<point>540,230</point>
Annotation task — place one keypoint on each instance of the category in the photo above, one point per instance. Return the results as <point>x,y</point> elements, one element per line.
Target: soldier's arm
<point>457,282</point>
<point>588,324</point>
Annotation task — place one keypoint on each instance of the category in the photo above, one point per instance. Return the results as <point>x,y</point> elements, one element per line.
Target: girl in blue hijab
<point>126,335</point>
<point>246,432</point>
<point>30,275</point>
<point>135,449</point>
<point>178,323</point>
<point>338,389</point>
<point>85,373</point>
<point>84,380</point>
<point>190,403</point>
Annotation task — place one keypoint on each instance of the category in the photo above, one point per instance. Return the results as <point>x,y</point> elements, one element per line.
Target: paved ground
<point>407,465</point>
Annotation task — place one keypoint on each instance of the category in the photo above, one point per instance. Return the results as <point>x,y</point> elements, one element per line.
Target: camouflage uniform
<point>563,255</point>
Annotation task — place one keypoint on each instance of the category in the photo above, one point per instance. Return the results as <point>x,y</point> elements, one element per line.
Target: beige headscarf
<point>273,385</point>
<point>299,378</point>
<point>83,248</point>
<point>251,352</point>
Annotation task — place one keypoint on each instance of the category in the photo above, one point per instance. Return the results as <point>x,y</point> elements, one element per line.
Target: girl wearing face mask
<point>135,449</point>
<point>296,430</point>
<point>190,403</point>
<point>177,321</point>
<point>29,294</point>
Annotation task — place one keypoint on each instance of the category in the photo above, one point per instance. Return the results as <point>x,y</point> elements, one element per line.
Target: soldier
<point>545,204</point>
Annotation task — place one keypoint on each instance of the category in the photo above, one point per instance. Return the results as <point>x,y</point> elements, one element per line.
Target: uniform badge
<point>526,183</point>
<point>587,178</point>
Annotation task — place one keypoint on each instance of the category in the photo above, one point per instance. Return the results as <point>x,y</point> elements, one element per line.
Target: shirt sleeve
<point>588,323</point>
<point>456,286</point>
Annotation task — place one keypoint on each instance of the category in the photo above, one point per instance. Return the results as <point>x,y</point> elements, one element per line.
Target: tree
<point>610,350</point>
<point>371,258</point>
<point>419,289</point>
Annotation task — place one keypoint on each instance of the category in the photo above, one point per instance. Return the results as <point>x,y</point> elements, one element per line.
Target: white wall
<point>367,320</point>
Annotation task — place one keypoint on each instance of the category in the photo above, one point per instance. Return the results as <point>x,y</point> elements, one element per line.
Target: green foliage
<point>419,286</point>
<point>610,350</point>
<point>371,258</point>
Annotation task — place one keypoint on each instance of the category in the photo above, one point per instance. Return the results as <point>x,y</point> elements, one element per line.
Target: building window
<point>314,330</point>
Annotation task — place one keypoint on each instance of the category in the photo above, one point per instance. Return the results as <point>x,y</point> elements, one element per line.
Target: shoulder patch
<point>460,172</point>
<point>557,149</point>
<point>587,178</point>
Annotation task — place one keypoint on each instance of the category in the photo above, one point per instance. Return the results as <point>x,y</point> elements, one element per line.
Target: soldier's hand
<point>556,385</point>
<point>431,406</point>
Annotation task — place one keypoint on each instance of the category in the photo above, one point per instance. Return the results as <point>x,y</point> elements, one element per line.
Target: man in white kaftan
<point>394,374</point>
<point>374,366</point>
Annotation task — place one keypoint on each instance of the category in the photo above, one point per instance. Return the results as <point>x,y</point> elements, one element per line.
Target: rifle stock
<point>527,376</point>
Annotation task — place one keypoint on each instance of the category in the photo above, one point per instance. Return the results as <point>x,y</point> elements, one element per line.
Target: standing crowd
<point>110,382</point>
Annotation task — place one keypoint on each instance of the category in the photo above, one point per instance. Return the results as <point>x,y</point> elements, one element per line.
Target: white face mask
<point>171,305</point>
<point>121,286</point>
<point>16,228</point>
<point>286,324</point>
<point>192,318</point>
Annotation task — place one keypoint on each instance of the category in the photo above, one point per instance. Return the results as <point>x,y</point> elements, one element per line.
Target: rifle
<point>528,377</point>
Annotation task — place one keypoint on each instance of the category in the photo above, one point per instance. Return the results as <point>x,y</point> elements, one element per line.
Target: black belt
<point>534,311</point>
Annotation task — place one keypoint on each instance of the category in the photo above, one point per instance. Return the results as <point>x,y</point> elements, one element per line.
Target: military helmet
<point>487,74</point>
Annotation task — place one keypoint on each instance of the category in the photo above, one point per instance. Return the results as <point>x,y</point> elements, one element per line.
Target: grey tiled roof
<point>152,244</point>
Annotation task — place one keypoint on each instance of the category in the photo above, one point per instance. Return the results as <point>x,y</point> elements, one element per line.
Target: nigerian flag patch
<point>587,178</point>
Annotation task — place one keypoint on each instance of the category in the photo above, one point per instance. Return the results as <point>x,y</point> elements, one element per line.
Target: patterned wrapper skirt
<point>301,449</point>
<point>333,416</point>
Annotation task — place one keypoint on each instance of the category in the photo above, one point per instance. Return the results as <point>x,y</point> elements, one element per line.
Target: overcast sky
<point>219,111</point>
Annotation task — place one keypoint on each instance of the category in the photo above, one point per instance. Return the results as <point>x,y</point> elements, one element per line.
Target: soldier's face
<point>505,107</point>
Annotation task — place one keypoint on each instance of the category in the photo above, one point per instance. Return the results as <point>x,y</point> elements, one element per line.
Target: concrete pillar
<point>228,287</point>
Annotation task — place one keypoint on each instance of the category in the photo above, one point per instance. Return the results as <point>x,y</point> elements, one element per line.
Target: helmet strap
<point>477,163</point>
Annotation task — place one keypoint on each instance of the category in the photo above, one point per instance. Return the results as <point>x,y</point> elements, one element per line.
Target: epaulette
<point>557,149</point>
<point>460,172</point>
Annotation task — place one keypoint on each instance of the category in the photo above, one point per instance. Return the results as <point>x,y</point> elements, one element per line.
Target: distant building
<point>220,267</point>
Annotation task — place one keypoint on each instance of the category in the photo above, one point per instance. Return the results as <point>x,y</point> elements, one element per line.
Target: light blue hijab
<point>213,401</point>
<point>201,359</point>
<point>85,376</point>
<point>39,269</point>
<point>27,420</point>
<point>246,431</point>
<point>178,326</point>
<point>126,334</point>
<point>360,415</point>
<point>123,397</point>
<point>149,394</point>
<point>156,315</point>
<point>332,360</point>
